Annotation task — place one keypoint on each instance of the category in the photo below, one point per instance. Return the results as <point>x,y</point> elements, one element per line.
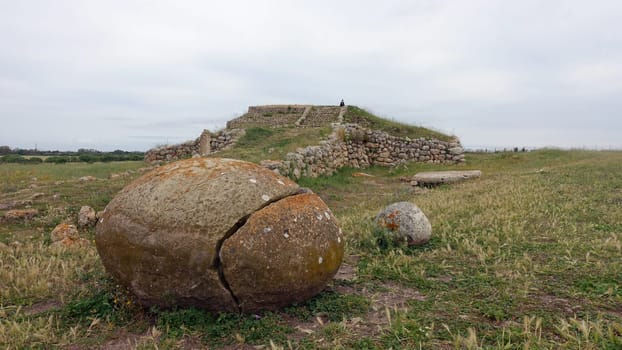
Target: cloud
<point>155,68</point>
<point>479,85</point>
<point>599,78</point>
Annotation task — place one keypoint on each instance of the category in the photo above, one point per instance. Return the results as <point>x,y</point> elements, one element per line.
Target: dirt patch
<point>190,342</point>
<point>122,341</point>
<point>234,347</point>
<point>303,328</point>
<point>445,279</point>
<point>395,297</point>
<point>391,297</point>
<point>615,313</point>
<point>346,272</point>
<point>41,307</point>
<point>552,302</point>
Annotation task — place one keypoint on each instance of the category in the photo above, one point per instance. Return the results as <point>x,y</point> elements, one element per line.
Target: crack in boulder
<point>230,232</point>
<point>218,261</point>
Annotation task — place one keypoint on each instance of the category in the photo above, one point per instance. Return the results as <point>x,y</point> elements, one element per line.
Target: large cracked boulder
<point>219,234</point>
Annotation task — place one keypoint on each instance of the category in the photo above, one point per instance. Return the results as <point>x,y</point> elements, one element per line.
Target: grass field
<point>273,143</point>
<point>527,257</point>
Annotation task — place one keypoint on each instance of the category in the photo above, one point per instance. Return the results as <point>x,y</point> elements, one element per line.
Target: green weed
<point>222,328</point>
<point>364,118</point>
<point>332,304</point>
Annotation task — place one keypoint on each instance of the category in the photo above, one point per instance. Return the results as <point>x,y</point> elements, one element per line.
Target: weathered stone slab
<point>431,178</point>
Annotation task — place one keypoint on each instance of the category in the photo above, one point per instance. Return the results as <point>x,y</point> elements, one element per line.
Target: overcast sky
<point>134,74</point>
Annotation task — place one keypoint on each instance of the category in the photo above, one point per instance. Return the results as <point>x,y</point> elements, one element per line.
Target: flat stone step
<point>431,178</point>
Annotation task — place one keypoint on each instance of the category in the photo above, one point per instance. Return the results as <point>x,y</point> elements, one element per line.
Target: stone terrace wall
<point>348,145</point>
<point>355,146</point>
<point>172,152</point>
<point>370,147</point>
<point>205,144</point>
<point>320,116</point>
<point>312,161</point>
<point>268,116</point>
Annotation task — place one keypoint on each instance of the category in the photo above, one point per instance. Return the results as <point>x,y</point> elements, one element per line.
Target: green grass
<point>528,256</point>
<point>260,143</point>
<point>333,305</point>
<point>273,143</point>
<point>19,176</point>
<point>217,329</point>
<point>360,116</point>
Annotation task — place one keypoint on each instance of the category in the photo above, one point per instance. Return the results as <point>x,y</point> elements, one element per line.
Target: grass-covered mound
<point>366,119</point>
<point>261,143</point>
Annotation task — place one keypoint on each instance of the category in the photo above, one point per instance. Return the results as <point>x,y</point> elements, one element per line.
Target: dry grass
<point>37,271</point>
<point>528,256</point>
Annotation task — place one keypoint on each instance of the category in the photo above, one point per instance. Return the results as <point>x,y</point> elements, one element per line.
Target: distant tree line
<point>30,156</point>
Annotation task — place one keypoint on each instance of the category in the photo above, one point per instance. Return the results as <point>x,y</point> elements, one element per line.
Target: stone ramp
<point>320,116</point>
<point>434,178</point>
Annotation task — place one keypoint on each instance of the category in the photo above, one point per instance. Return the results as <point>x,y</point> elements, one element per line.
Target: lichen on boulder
<point>406,222</point>
<point>172,237</point>
<point>291,247</point>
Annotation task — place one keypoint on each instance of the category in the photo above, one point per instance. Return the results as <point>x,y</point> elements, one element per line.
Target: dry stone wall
<point>358,147</point>
<point>312,161</point>
<point>172,152</point>
<point>268,116</point>
<point>348,145</point>
<point>205,144</point>
<point>373,147</point>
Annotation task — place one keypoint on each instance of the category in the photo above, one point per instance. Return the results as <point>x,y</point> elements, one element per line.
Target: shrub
<point>87,158</point>
<point>58,159</point>
<point>13,158</point>
<point>16,158</point>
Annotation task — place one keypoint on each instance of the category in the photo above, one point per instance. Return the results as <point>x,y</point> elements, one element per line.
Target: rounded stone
<point>86,216</point>
<point>284,254</point>
<point>64,231</point>
<point>406,221</point>
<point>169,236</point>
